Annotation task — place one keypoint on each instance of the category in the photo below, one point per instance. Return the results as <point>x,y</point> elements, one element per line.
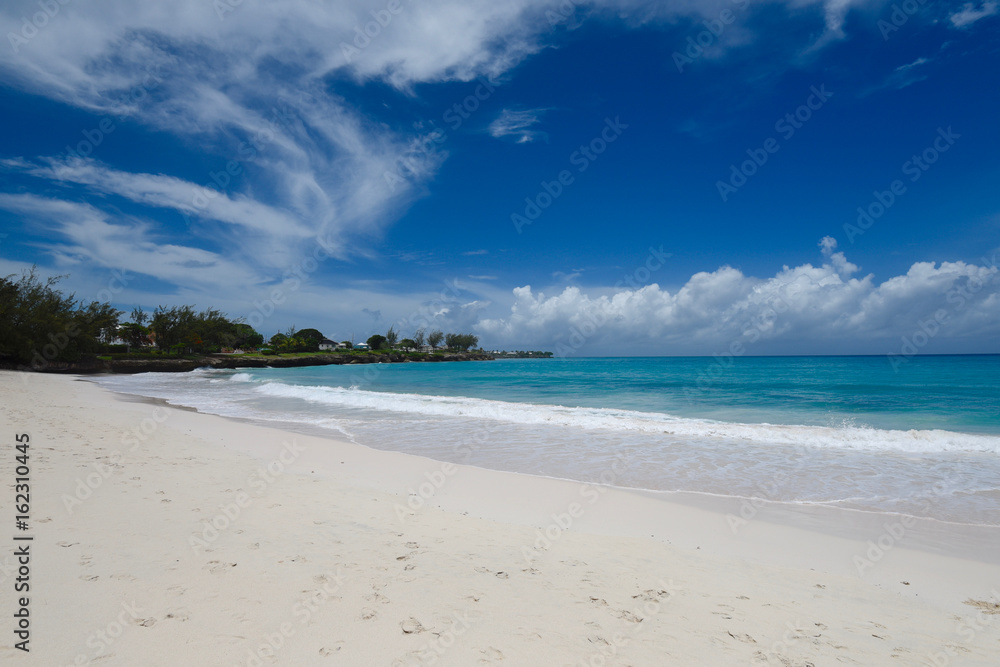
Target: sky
<point>591,178</point>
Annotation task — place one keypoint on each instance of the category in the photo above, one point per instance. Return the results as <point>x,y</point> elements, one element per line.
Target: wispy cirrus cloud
<point>517,124</point>
<point>84,235</point>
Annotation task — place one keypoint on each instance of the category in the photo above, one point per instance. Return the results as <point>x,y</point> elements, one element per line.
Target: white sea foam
<point>805,437</point>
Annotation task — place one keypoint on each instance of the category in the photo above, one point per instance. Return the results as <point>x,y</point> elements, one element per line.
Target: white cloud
<point>89,241</point>
<point>517,124</point>
<point>805,308</point>
<point>969,14</point>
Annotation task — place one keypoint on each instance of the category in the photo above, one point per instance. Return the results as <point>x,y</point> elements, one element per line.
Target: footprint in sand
<point>369,614</point>
<point>411,626</point>
<point>626,615</point>
<point>651,595</point>
<point>742,637</point>
<point>985,606</point>
<point>499,575</point>
<point>215,566</point>
<point>66,544</point>
<point>330,650</point>
<point>492,655</point>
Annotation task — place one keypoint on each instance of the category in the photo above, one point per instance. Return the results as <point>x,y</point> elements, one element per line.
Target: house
<point>361,346</point>
<point>427,348</point>
<point>327,344</point>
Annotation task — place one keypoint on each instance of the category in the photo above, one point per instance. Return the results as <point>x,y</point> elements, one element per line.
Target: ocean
<point>921,439</point>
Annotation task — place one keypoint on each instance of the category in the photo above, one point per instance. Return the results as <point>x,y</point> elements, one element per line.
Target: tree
<point>418,338</point>
<point>278,340</point>
<point>391,336</point>
<point>348,344</point>
<point>461,342</point>
<point>310,338</point>
<point>376,342</point>
<point>138,316</point>
<point>38,324</point>
<point>246,336</point>
<point>134,334</point>
<point>434,338</point>
<point>408,343</point>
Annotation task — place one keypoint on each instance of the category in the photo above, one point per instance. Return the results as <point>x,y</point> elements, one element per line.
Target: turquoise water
<point>922,439</point>
<point>960,393</point>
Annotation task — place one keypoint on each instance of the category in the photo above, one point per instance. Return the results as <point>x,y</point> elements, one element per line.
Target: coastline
<point>373,557</point>
<point>147,364</point>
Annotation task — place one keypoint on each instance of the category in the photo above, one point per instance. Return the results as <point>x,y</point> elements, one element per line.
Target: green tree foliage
<point>461,341</point>
<point>181,329</point>
<point>39,325</point>
<point>348,344</point>
<point>391,336</point>
<point>418,338</point>
<point>434,338</point>
<point>309,340</point>
<point>408,343</point>
<point>377,342</point>
<point>134,334</point>
<point>246,336</point>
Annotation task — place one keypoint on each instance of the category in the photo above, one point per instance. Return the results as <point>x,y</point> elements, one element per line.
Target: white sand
<point>327,562</point>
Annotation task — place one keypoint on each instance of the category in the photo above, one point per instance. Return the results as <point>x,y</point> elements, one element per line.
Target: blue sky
<point>607,177</point>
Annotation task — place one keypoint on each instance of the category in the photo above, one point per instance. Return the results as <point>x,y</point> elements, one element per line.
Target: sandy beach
<point>163,536</point>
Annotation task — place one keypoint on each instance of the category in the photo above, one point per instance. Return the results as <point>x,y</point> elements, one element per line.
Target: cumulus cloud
<point>800,309</point>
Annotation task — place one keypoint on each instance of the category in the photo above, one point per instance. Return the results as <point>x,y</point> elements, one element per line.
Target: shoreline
<point>824,517</point>
<point>338,504</point>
